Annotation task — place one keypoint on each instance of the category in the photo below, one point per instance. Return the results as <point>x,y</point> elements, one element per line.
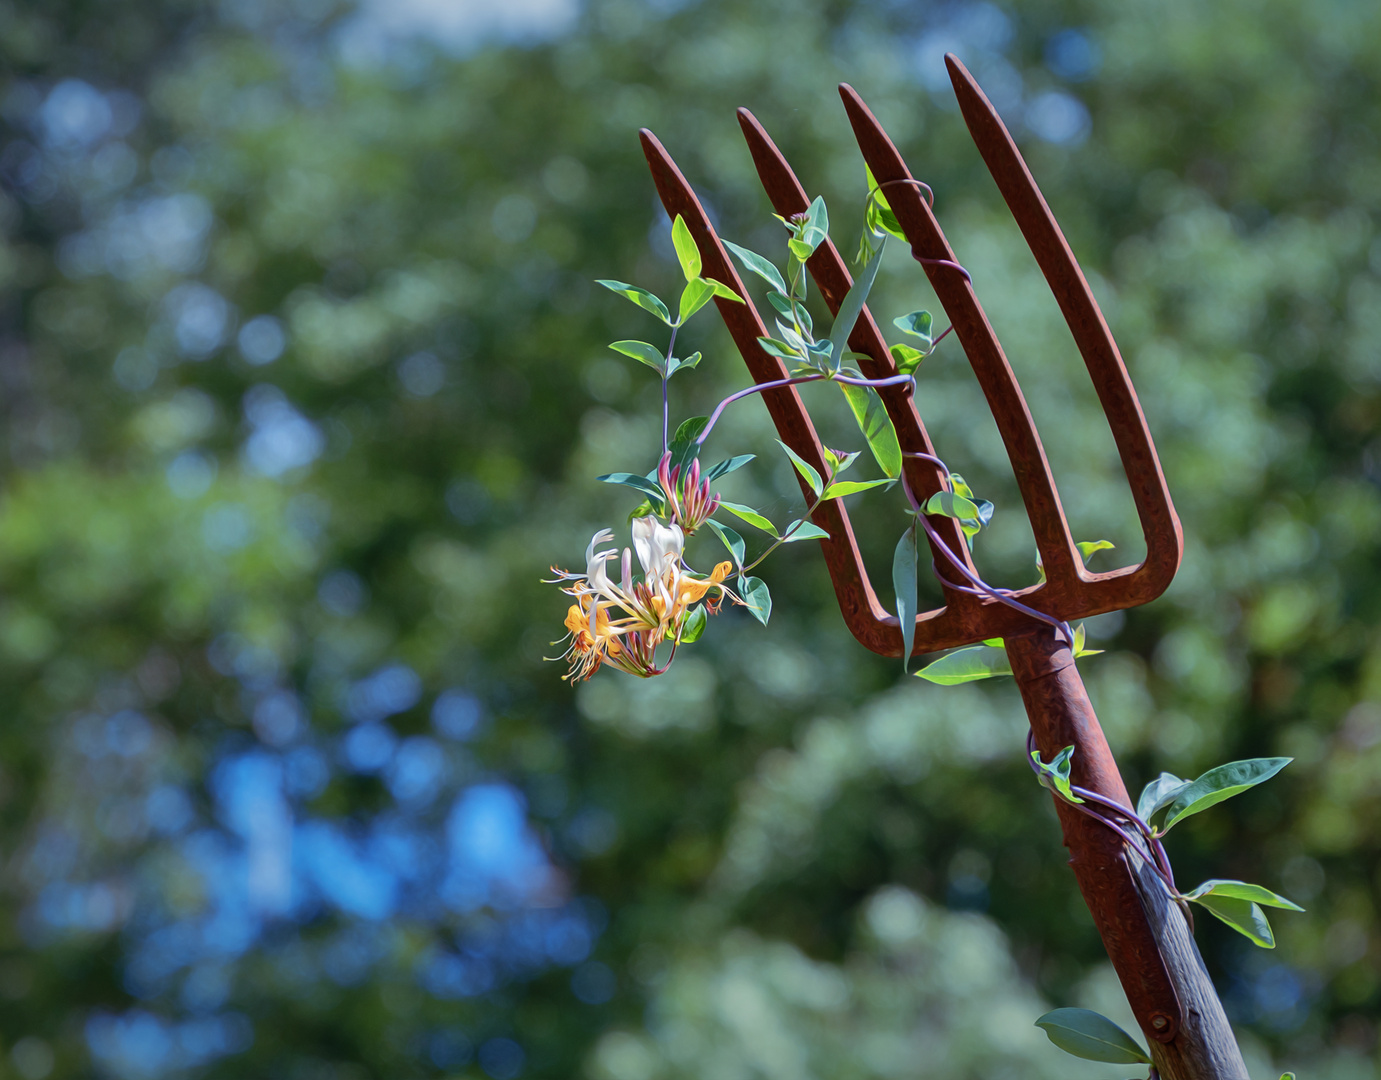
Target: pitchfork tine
<point>971,326</point>
<point>831,276</point>
<point>865,616</point>
<point>1164,538</point>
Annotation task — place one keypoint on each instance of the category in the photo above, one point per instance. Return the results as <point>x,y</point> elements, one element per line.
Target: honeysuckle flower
<point>622,623</point>
<point>688,498</point>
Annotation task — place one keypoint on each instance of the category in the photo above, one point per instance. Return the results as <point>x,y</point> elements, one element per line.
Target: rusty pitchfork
<point>1147,938</point>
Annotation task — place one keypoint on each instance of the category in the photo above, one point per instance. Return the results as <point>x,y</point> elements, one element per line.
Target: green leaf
<point>687,254</point>
<point>1055,776</point>
<point>794,340</point>
<point>878,200</point>
<point>1088,547</point>
<point>806,470</point>
<point>726,467</point>
<point>724,292</point>
<point>1221,783</point>
<point>748,514</point>
<point>1243,916</point>
<point>810,230</point>
<point>817,217</point>
<point>851,308</point>
<point>917,324</point>
<point>650,355</point>
<point>872,419</point>
<point>1091,1036</point>
<point>1079,649</point>
<point>757,598</point>
<point>648,487</point>
<point>967,665</point>
<point>684,449</point>
<point>906,358</point>
<point>695,622</point>
<point>641,297</point>
<point>840,488</point>
<point>690,428</point>
<point>732,541</point>
<point>754,262</point>
<point>683,365</point>
<point>952,505</point>
<point>803,530</point>
<point>971,524</point>
<point>694,296</point>
<point>643,509</point>
<point>1241,890</point>
<point>780,349</point>
<point>796,313</point>
<point>904,585</point>
<point>1159,794</point>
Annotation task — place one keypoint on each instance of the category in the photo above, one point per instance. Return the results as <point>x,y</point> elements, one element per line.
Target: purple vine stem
<point>1153,851</point>
<point>777,384</point>
<point>979,586</point>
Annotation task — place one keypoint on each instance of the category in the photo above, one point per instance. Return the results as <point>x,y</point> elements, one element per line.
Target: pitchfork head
<point>1070,591</point>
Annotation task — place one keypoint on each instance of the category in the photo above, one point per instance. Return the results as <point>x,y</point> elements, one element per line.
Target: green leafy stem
<point>1236,903</point>
<point>977,586</point>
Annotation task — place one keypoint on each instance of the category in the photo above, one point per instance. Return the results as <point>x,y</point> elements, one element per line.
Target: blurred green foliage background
<point>303,386</point>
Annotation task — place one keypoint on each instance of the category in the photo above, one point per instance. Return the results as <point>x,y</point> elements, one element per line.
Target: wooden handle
<point>1144,931</point>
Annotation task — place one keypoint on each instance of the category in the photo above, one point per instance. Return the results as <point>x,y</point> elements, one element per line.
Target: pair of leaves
<point>650,355</point>
<point>836,488</point>
<point>698,291</point>
<point>984,661</point>
<point>1086,550</point>
<point>960,504</point>
<point>809,231</point>
<point>652,489</point>
<point>753,591</point>
<point>919,325</point>
<point>1185,798</point>
<point>1238,904</point>
<point>1055,776</point>
<point>797,530</point>
<point>694,296</point>
<point>1091,1036</point>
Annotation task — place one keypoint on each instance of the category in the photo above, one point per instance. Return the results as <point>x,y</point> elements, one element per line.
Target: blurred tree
<point>304,386</point>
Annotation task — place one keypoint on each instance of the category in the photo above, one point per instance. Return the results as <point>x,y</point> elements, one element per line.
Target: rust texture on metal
<point>1172,998</point>
<point>1061,715</point>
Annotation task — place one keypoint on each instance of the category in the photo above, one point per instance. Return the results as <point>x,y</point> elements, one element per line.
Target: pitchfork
<point>1147,938</point>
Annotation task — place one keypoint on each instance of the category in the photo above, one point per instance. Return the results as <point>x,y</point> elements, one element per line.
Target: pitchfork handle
<point>1147,937</point>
